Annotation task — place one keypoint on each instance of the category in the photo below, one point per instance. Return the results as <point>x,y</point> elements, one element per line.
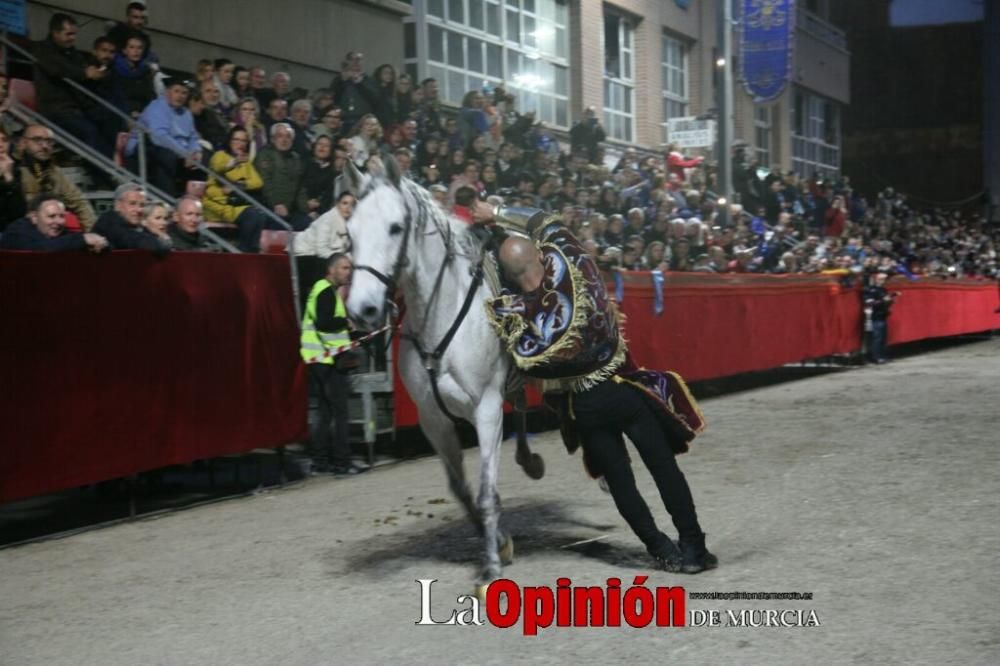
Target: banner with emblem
<point>767,41</point>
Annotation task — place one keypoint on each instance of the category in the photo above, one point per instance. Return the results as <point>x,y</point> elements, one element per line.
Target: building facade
<point>640,62</point>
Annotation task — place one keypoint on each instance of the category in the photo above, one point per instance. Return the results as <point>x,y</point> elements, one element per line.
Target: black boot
<point>667,556</point>
<point>695,558</point>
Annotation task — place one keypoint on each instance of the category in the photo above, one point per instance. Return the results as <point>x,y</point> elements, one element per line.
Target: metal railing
<point>145,133</point>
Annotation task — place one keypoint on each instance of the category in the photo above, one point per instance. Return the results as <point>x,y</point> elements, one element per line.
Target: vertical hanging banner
<point>766,44</point>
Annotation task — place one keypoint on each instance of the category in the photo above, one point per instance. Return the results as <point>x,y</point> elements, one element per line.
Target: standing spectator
<point>385,95</point>
<point>304,136</point>
<point>175,145</point>
<point>132,78</point>
<point>677,163</point>
<point>878,302</point>
<point>241,84</point>
<point>258,82</point>
<point>280,167</point>
<point>135,23</point>
<point>472,121</point>
<point>316,192</point>
<point>247,116</point>
<point>185,232</point>
<point>44,230</point>
<point>354,90</point>
<point>122,226</point>
<point>587,134</point>
<point>235,164</point>
<point>327,235</point>
<point>405,107</point>
<point>428,113</point>
<point>364,139</point>
<point>39,175</point>
<point>224,70</point>
<point>58,61</point>
<point>325,328</point>
<point>12,203</point>
<point>835,218</point>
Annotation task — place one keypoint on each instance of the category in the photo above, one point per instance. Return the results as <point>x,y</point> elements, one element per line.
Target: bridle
<point>432,358</point>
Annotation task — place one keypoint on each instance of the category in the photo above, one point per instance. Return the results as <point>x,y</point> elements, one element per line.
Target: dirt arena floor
<point>875,489</point>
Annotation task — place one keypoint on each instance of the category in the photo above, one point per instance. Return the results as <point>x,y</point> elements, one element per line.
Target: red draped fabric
<point>118,364</point>
<point>720,325</point>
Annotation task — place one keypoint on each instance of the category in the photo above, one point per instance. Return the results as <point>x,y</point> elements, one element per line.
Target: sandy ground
<point>875,489</point>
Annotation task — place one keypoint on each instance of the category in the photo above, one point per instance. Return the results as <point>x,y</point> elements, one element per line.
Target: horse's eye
<point>395,229</point>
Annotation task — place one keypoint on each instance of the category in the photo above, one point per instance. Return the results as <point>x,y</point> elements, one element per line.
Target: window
<point>762,134</point>
<point>619,81</point>
<point>673,64</point>
<point>815,134</point>
<point>473,44</point>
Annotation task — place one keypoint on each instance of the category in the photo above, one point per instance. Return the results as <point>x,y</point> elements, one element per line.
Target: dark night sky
<point>924,12</point>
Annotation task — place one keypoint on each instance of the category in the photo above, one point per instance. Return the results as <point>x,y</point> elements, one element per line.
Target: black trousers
<point>603,413</point>
<point>333,389</point>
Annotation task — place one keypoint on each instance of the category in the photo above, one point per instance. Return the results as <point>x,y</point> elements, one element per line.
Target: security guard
<point>325,329</point>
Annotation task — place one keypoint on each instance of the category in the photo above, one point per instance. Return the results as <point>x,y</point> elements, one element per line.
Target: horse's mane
<point>425,210</point>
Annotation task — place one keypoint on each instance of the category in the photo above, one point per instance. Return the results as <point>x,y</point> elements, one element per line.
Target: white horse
<point>450,358</point>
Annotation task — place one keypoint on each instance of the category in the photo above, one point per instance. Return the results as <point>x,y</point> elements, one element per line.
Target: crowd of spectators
<point>288,147</point>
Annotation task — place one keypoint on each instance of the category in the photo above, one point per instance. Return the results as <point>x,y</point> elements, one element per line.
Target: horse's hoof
<point>534,466</point>
<point>507,551</point>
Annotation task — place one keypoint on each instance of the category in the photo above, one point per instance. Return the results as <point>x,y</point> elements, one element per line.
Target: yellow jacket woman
<point>235,165</point>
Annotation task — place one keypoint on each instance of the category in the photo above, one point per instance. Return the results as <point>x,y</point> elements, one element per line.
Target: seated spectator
<point>58,61</point>
<point>316,191</point>
<point>440,195</point>
<point>330,124</point>
<point>210,126</point>
<point>277,112</point>
<point>204,71</point>
<point>405,160</point>
<point>123,225</point>
<point>156,219</point>
<point>135,23</point>
<point>680,257</point>
<point>365,138</point>
<point>327,235</point>
<point>247,116</point>
<point>175,142</point>
<point>13,205</point>
<point>185,232</point>
<point>281,87</point>
<point>132,78</point>
<point>654,259</point>
<point>258,83</point>
<point>44,230</point>
<point>304,136</point>
<point>40,175</point>
<point>8,122</point>
<point>322,101</point>
<point>223,80</point>
<point>280,167</point>
<point>221,204</point>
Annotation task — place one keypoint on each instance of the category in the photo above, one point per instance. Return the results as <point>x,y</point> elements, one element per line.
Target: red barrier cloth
<point>719,325</point>
<point>117,364</point>
<point>938,308</point>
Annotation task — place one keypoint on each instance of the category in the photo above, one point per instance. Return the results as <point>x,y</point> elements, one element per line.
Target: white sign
<point>689,132</point>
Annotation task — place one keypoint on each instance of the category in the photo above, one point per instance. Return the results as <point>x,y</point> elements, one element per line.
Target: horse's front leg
<point>489,426</point>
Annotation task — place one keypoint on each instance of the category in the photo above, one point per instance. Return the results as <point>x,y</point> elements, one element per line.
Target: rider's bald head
<point>522,262</point>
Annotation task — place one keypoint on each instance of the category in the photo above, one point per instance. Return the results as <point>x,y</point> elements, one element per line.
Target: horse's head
<point>380,230</point>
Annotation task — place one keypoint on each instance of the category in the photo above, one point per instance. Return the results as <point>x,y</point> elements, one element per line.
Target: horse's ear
<point>392,171</point>
<point>355,179</point>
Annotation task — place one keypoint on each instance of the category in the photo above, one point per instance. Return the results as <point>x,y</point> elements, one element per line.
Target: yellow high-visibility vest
<point>314,343</point>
